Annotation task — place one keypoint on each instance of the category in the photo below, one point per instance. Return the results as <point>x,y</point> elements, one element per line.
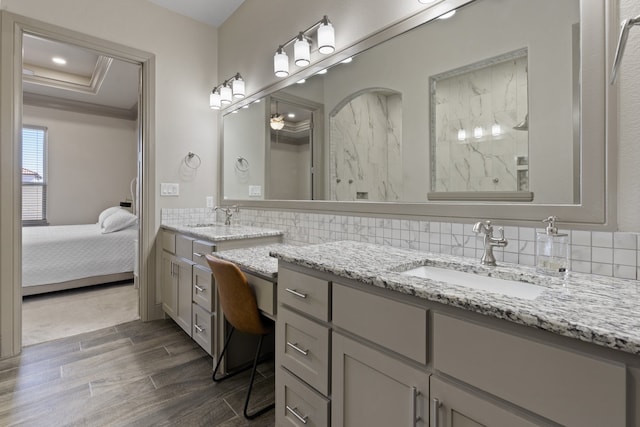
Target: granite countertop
<point>255,259</point>
<point>219,232</point>
<point>600,310</point>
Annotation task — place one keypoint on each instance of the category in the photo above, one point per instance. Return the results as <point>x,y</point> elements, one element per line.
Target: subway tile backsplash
<point>593,252</point>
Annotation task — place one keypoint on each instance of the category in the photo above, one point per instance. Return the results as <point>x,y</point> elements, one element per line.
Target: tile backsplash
<point>614,254</point>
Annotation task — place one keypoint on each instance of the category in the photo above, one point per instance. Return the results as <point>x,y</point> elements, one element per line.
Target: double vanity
<point>370,335</point>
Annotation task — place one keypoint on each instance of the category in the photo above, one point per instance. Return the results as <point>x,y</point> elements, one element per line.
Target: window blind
<point>34,175</point>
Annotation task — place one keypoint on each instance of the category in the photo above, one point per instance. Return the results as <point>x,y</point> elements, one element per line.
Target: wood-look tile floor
<point>136,373</point>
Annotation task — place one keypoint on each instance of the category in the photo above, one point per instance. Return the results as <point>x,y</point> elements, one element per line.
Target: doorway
<point>10,182</point>
<point>79,142</point>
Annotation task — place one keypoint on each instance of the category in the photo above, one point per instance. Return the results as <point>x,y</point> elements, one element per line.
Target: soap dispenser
<point>552,250</point>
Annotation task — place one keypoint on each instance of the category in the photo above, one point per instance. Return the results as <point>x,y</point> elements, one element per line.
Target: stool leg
<point>224,349</point>
<point>253,375</point>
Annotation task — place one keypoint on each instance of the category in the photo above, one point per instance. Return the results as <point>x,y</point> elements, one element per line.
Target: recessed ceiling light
<point>58,60</point>
<point>245,106</point>
<point>447,15</point>
<point>322,71</point>
<point>301,81</point>
<point>349,59</point>
<point>257,101</point>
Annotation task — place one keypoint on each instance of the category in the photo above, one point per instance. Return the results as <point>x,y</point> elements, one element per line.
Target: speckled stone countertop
<point>600,310</point>
<point>255,259</point>
<point>220,232</point>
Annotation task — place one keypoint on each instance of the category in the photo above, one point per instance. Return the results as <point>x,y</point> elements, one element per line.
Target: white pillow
<point>107,213</point>
<point>118,221</point>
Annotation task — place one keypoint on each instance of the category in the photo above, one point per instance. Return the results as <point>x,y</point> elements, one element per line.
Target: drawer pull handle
<point>198,254</point>
<point>296,293</point>
<point>415,418</point>
<point>199,289</point>
<point>302,418</point>
<point>198,328</point>
<point>435,409</point>
<point>298,349</point>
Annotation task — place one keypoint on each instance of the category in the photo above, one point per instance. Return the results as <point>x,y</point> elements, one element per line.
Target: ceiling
<point>93,83</point>
<point>211,12</point>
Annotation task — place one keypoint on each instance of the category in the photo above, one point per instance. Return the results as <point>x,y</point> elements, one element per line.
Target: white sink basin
<point>476,281</point>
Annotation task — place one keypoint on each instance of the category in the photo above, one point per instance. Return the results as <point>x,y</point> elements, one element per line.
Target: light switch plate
<point>255,190</point>
<point>210,202</point>
<point>169,189</point>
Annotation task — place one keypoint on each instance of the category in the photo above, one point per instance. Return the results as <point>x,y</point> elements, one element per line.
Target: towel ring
<point>242,164</point>
<point>192,160</point>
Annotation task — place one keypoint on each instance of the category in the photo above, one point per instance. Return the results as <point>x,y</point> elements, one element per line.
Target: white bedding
<point>55,254</point>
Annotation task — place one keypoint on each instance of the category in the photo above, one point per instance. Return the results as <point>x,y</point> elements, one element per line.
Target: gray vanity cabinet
<point>176,279</point>
<point>372,388</point>
<point>455,406</point>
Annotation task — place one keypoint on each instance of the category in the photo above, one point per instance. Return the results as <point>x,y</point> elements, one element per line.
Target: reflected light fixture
<point>447,15</point>
<point>224,93</point>
<point>495,129</point>
<point>325,37</point>
<point>477,132</point>
<point>462,135</point>
<point>276,122</point>
<point>58,60</point>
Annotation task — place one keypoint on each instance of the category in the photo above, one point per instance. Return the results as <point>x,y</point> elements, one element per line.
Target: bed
<point>70,256</point>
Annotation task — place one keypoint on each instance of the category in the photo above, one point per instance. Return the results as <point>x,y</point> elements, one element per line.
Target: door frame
<point>12,28</point>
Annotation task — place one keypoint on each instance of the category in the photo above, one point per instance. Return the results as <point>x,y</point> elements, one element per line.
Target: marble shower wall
<point>476,108</point>
<point>366,148</point>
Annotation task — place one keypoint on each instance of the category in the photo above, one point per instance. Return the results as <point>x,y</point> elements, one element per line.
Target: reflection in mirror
<point>479,136</point>
<point>380,124</point>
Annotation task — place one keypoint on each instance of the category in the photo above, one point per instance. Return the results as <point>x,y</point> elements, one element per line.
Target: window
<point>34,175</point>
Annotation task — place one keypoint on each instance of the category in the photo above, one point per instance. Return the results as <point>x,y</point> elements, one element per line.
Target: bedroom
<point>79,163</point>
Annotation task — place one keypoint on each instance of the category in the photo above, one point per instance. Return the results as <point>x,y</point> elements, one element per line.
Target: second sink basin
<point>476,281</point>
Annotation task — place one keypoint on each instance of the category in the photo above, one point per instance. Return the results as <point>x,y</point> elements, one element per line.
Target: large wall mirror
<point>498,111</point>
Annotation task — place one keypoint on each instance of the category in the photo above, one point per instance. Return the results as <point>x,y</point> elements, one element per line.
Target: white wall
<point>186,71</point>
<point>90,159</point>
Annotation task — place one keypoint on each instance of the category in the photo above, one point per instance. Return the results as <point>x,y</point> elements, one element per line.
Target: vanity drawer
<point>567,387</point>
<point>265,292</point>
<point>169,241</point>
<point>204,292</point>
<point>303,292</point>
<point>395,325</point>
<point>200,249</point>
<point>203,328</point>
<point>302,346</point>
<point>184,246</point>
<point>297,404</point>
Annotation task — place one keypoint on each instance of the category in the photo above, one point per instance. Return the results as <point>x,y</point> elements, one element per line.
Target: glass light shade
<point>214,101</point>
<point>326,38</point>
<point>496,130</point>
<point>302,52</point>
<point>276,122</point>
<point>281,64</point>
<point>237,87</point>
<point>478,132</point>
<point>225,94</point>
<point>462,135</point>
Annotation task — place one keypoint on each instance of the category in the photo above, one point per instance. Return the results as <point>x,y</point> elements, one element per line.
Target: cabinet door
<point>371,388</point>
<point>184,301</point>
<point>452,406</point>
<point>169,284</point>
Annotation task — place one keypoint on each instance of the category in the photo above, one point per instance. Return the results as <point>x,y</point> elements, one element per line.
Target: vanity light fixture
<point>325,37</point>
<point>224,93</point>
<point>462,135</point>
<point>495,129</point>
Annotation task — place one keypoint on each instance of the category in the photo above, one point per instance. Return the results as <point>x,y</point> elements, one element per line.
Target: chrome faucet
<point>486,229</point>
<point>228,211</point>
